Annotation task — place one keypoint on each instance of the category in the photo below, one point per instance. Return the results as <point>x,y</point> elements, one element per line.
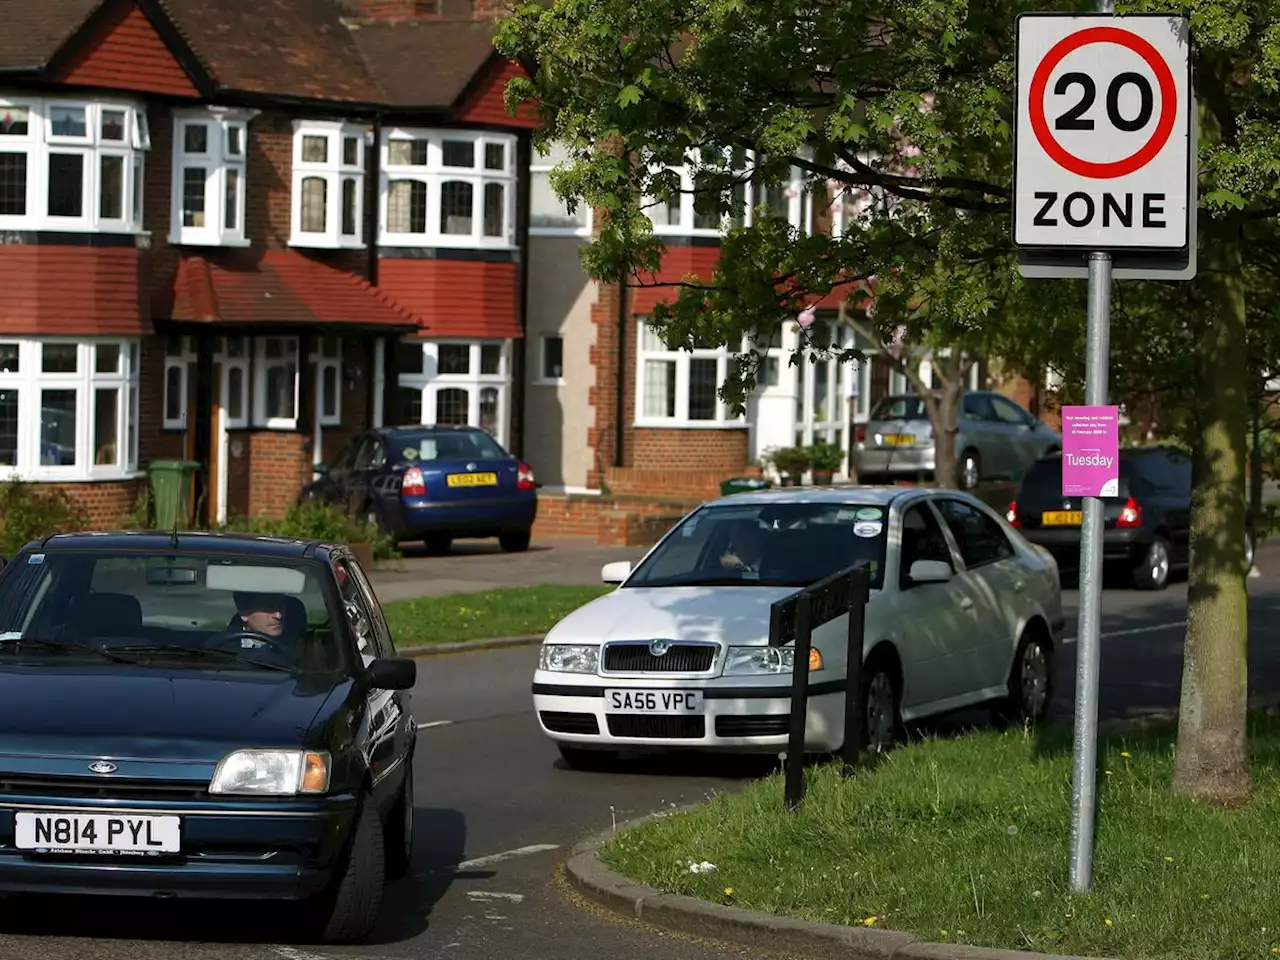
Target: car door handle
<point>966,603</point>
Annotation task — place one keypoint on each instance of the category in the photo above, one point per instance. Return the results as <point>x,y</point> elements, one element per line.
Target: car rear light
<point>860,433</point>
<point>526,480</point>
<point>1012,514</point>
<point>1130,514</point>
<point>413,484</point>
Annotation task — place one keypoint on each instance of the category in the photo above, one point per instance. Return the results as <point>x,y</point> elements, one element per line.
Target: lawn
<point>965,840</point>
<point>507,612</point>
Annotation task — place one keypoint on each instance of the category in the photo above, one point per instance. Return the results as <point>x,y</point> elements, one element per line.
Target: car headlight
<point>755,660</point>
<point>272,773</point>
<point>569,658</point>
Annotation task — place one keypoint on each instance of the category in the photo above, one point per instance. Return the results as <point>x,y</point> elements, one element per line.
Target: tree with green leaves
<point>908,103</point>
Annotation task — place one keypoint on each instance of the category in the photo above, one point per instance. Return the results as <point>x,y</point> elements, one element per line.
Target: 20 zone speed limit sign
<point>1102,135</point>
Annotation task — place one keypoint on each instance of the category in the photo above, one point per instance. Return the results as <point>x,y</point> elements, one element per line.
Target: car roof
<point>191,541</point>
<point>420,427</point>
<point>850,493</point>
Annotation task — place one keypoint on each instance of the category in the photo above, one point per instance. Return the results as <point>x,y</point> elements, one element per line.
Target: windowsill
<point>581,233</point>
<point>692,232</point>
<point>182,241</point>
<point>325,243</point>
<point>280,426</point>
<point>557,382</point>
<point>426,241</point>
<point>73,475</point>
<point>692,424</point>
<point>52,226</point>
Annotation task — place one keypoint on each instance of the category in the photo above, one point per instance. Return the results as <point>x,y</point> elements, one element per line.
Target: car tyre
<point>515,542</point>
<point>1250,551</point>
<point>882,702</point>
<point>438,544</point>
<point>1152,571</point>
<point>970,469</point>
<point>348,910</point>
<point>399,829</point>
<point>581,758</point>
<point>1030,682</point>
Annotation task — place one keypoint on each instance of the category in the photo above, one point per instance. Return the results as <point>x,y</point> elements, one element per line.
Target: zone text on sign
<point>1103,132</point>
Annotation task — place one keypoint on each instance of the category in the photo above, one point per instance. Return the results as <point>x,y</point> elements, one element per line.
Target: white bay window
<point>208,189</point>
<point>71,165</point>
<point>690,210</point>
<point>456,383</point>
<point>548,214</point>
<point>68,409</point>
<point>328,184</point>
<point>680,387</point>
<point>448,189</point>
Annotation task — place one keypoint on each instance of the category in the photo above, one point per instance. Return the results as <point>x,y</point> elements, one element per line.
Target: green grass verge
<point>965,840</point>
<point>507,612</point>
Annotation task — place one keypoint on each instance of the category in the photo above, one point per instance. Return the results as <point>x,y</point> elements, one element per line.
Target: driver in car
<point>256,613</point>
<point>746,547</point>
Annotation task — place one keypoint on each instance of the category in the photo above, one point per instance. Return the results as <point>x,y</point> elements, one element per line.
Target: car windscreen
<point>900,408</point>
<point>774,544</point>
<point>426,446</point>
<point>245,612</point>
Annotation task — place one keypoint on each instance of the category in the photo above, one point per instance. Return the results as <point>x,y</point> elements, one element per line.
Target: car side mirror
<point>615,572</point>
<point>930,571</point>
<point>392,673</point>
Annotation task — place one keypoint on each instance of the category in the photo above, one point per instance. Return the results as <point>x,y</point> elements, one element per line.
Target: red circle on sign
<point>1168,104</point>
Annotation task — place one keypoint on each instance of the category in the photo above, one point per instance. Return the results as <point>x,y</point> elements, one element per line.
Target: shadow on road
<point>440,838</point>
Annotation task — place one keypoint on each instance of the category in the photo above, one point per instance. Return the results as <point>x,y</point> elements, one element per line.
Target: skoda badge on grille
<point>102,766</point>
<point>659,648</point>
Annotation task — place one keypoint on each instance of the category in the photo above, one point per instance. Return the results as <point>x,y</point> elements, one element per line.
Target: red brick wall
<point>105,503</point>
<point>128,54</point>
<point>278,466</point>
<point>665,449</point>
<point>601,438</point>
<point>611,521</point>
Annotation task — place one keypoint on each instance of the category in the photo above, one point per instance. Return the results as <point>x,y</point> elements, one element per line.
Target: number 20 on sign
<point>1103,132</point>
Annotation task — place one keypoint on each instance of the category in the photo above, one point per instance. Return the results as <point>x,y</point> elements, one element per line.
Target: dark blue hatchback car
<point>203,715</point>
<point>433,483</point>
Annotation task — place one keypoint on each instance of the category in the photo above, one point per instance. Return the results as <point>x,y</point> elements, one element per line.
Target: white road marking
<point>434,723</point>
<point>293,953</point>
<point>506,855</point>
<point>1153,628</point>
<point>489,895</point>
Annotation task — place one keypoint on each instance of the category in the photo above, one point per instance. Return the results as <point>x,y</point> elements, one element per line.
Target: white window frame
<point>260,366</point>
<point>434,174</point>
<point>30,382</point>
<point>841,385</point>
<point>431,382</point>
<point>39,143</point>
<point>242,363</point>
<point>680,358</point>
<point>219,163</point>
<point>320,362</point>
<point>542,378</point>
<point>540,169</point>
<point>184,361</point>
<point>799,211</point>
<point>334,172</point>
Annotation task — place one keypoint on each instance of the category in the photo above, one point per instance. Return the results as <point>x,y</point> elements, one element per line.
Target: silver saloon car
<point>998,439</point>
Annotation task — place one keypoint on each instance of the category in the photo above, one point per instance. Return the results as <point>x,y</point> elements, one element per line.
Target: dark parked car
<point>203,715</point>
<point>1147,525</point>
<point>434,484</point>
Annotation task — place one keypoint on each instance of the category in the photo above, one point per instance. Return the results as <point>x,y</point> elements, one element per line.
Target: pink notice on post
<point>1090,451</point>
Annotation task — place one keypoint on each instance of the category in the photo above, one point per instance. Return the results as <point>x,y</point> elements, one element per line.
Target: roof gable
<point>125,52</point>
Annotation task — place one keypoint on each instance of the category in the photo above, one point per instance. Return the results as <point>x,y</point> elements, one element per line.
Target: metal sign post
<point>1104,175</point>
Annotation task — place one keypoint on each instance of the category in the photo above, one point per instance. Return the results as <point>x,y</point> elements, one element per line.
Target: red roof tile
<point>35,31</point>
<point>280,286</point>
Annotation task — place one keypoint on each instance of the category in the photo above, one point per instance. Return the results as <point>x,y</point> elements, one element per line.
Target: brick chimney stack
<point>408,10</point>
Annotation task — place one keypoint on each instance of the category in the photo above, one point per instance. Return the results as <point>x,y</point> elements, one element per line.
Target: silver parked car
<point>997,439</point>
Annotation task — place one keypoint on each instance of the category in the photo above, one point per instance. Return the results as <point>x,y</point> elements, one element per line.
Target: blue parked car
<point>433,483</point>
<point>203,715</point>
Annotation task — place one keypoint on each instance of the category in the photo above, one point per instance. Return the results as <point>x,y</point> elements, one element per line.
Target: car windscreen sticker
<point>410,453</point>
<point>688,528</point>
<point>870,513</point>
<point>36,558</point>
<point>867,528</point>
<point>846,515</point>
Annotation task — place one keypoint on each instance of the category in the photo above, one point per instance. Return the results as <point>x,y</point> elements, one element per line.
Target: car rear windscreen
<point>900,408</point>
<point>1042,483</point>
<point>425,446</point>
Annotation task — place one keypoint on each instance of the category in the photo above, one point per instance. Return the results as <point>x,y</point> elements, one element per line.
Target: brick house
<point>241,231</point>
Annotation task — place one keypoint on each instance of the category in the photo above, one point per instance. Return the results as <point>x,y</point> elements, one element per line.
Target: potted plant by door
<point>791,464</point>
<point>825,459</point>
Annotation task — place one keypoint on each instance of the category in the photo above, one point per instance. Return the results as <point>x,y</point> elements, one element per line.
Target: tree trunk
<point>1212,761</point>
<point>943,417</point>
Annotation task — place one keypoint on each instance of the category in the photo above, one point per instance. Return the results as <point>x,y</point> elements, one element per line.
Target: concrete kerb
<point>591,877</point>
<point>465,646</point>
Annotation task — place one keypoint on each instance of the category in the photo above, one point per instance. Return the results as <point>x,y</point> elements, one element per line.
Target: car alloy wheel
<point>1153,572</point>
<point>1034,680</point>
<point>1249,550</point>
<point>970,471</point>
<point>882,711</point>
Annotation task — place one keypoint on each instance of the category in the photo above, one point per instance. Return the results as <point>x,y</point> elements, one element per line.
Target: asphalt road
<point>498,814</point>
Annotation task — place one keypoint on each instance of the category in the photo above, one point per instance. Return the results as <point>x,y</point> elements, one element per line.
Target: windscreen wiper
<point>171,649</point>
<point>11,641</point>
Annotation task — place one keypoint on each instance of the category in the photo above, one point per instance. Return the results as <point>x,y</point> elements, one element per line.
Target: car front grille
<point>768,725</point>
<point>559,722</point>
<point>639,726</point>
<point>101,788</point>
<point>679,658</point>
